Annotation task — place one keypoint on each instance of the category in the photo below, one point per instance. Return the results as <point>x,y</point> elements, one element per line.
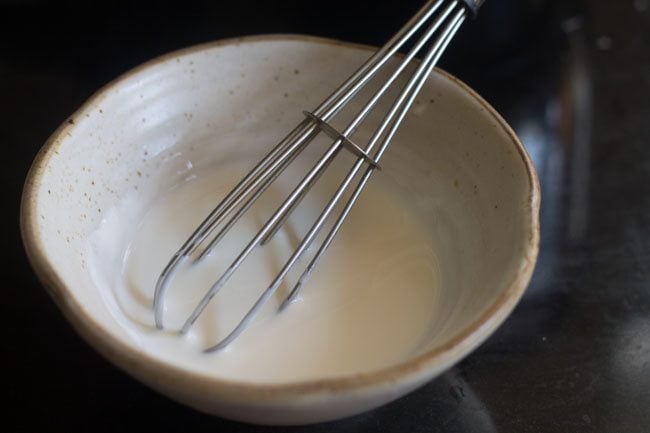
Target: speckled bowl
<point>455,157</point>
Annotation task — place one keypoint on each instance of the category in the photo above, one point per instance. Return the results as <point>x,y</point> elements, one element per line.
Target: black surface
<point>573,78</point>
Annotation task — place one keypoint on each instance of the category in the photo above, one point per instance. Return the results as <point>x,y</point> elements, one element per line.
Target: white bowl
<point>455,157</point>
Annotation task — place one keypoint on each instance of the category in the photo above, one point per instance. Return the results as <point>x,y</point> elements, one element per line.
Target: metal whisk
<point>432,28</point>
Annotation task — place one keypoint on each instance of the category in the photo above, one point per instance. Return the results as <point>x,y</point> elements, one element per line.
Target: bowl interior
<point>454,160</point>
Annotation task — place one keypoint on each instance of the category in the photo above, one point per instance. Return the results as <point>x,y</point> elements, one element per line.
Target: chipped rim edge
<point>423,367</point>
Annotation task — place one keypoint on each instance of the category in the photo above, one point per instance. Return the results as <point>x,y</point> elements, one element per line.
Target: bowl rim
<point>131,359</point>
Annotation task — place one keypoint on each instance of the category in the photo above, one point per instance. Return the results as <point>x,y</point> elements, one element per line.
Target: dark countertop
<point>573,79</point>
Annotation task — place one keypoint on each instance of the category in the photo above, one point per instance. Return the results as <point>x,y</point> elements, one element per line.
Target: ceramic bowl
<point>455,158</point>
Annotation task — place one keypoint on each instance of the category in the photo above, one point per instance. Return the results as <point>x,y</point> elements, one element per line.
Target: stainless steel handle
<point>473,5</point>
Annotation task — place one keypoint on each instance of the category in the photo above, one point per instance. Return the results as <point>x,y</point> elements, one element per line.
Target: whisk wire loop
<point>433,41</point>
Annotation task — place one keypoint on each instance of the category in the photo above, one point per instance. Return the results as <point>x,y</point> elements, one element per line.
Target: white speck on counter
<point>604,43</point>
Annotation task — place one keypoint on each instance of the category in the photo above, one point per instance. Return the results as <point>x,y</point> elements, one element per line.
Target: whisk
<point>432,27</point>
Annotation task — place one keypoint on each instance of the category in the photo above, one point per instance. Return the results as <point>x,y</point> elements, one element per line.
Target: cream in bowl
<point>432,259</point>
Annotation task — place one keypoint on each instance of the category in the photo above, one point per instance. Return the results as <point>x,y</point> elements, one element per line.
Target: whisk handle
<point>473,5</point>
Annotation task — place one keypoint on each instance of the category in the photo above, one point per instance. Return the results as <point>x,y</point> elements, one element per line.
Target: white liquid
<point>369,304</point>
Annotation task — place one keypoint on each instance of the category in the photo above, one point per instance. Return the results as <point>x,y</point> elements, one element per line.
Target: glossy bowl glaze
<point>455,158</point>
